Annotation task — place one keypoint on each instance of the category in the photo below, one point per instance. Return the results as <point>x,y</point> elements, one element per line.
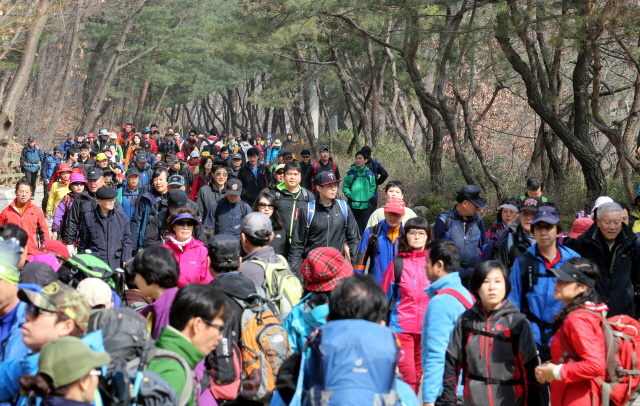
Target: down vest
<point>108,237</point>
<point>192,258</point>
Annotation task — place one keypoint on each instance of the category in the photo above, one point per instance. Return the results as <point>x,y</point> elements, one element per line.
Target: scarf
<point>179,244</point>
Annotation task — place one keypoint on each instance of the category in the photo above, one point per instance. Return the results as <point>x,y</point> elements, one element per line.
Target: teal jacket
<point>302,321</point>
<point>359,185</point>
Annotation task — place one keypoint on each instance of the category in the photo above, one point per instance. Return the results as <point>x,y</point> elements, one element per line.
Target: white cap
<point>95,291</point>
<point>104,132</point>
<point>599,202</point>
<point>113,136</point>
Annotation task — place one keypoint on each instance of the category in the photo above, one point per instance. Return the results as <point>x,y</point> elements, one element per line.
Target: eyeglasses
<point>222,174</point>
<point>33,312</point>
<point>269,205</point>
<point>417,233</point>
<point>220,327</point>
<point>184,223</point>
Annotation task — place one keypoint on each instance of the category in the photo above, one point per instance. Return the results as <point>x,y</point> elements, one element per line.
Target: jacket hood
<point>506,308</point>
<point>315,317</point>
<point>361,171</point>
<point>235,284</point>
<point>282,188</point>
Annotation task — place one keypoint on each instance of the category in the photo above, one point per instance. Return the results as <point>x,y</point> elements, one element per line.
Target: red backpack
<point>622,344</point>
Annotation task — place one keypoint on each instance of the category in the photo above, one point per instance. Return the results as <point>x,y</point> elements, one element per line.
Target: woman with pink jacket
<point>190,252</point>
<point>408,300</point>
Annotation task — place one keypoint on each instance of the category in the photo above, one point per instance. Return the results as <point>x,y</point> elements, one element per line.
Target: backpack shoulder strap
<point>188,384</point>
<point>335,168</point>
<point>528,275</point>
<point>465,302</point>
<point>315,169</point>
<point>343,206</point>
<point>243,207</point>
<point>446,219</point>
<point>311,208</point>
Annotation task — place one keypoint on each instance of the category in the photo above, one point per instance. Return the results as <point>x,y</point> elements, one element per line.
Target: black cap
<point>569,273</point>
<point>145,144</point>
<point>160,164</point>
<point>30,139</point>
<point>322,148</point>
<point>325,178</point>
<point>234,187</point>
<point>176,180</point>
<point>223,248</point>
<point>547,214</point>
<point>177,199</point>
<point>106,193</point>
<point>95,173</point>
<point>472,194</point>
<point>173,160</point>
<point>531,203</point>
<point>141,158</point>
<point>287,154</point>
<point>58,149</point>
<point>132,171</point>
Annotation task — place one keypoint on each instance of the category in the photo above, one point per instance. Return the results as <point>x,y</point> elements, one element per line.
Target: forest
<point>453,92</point>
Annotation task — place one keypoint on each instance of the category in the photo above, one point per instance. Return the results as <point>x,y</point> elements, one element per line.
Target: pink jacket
<point>194,267</point>
<point>411,303</point>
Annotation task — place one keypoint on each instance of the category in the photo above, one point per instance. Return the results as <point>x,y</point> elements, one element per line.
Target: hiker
<point>575,381</point>
<point>153,201</point>
<point>256,234</point>
<point>272,156</point>
<point>51,161</point>
<point>203,176</point>
<point>59,188</point>
<point>11,308</point>
<point>448,299</point>
<point>305,166</point>
<point>504,374</point>
<point>359,186</point>
<point>394,189</point>
<point>159,226</point>
<point>507,213</point>
<point>580,226</point>
<point>76,186</point>
<point>236,165</point>
<point>29,216</point>
<point>378,170</point>
<point>534,189</point>
<point>180,168</point>
<point>253,175</point>
<point>226,215</point>
<point>190,143</point>
<point>265,203</point>
<point>405,283</point>
<point>463,225</point>
<point>30,159</point>
<point>323,165</point>
<point>126,134</point>
<point>97,292</point>
<point>599,202</point>
<point>129,193</point>
<point>216,189</point>
<point>379,243</point>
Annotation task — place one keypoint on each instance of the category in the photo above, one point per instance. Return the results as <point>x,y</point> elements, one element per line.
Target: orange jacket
<point>32,221</point>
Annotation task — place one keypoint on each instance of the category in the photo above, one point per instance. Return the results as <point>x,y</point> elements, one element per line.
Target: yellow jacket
<point>57,192</point>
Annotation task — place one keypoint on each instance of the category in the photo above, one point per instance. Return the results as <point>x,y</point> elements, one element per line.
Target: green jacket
<point>359,186</point>
<point>171,371</point>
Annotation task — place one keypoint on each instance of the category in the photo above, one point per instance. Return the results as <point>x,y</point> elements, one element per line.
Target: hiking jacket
<point>272,155</point>
<point>495,227</point>
<point>207,196</point>
<point>158,229</point>
<point>99,144</point>
<point>359,186</point>
<point>620,273</point>
<point>302,321</point>
<point>62,215</point>
<point>290,205</point>
<point>187,146</point>
<point>65,145</point>
<point>168,147</point>
<point>580,334</point>
<point>327,229</point>
<point>387,248</point>
<point>439,321</point>
<point>108,237</point>
<point>541,303</point>
<point>468,235</point>
<point>634,218</point>
<point>379,172</point>
<point>488,357</point>
<point>196,186</point>
<point>31,220</point>
<point>189,177</point>
<point>318,167</point>
<point>12,347</point>
<point>82,204</point>
<point>254,271</point>
<point>520,242</point>
<point>125,136</point>
<point>150,203</point>
<point>228,222</point>
<point>252,184</point>
<point>157,312</point>
<point>145,176</point>
<point>48,166</point>
<point>305,170</point>
<point>170,370</point>
<point>411,301</point>
<point>30,158</point>
<point>192,258</point>
<point>128,199</point>
<point>57,192</point>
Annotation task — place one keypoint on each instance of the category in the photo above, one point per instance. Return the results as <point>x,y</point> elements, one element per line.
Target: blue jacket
<point>48,165</point>
<point>229,220</point>
<point>31,157</point>
<point>272,155</point>
<point>128,199</point>
<point>12,346</point>
<point>11,370</point>
<point>540,299</point>
<point>145,176</point>
<point>148,204</point>
<point>439,321</point>
<point>108,237</point>
<point>302,321</point>
<point>386,251</point>
<point>65,145</point>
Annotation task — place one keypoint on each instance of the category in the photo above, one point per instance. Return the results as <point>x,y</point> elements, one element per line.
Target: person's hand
<point>544,373</point>
<point>72,250</point>
<point>54,235</point>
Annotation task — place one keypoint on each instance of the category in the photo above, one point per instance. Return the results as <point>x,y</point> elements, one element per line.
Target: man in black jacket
<point>179,168</point>
<point>612,245</point>
<point>100,143</point>
<point>254,177</point>
<point>331,222</point>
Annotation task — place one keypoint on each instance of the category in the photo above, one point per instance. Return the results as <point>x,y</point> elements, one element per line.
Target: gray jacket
<point>254,271</point>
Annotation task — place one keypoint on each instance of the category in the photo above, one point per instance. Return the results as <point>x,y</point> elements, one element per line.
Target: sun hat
<point>323,268</point>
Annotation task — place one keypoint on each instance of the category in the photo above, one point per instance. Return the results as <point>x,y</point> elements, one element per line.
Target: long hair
<point>276,219</point>
<point>592,271</point>
<point>202,172</point>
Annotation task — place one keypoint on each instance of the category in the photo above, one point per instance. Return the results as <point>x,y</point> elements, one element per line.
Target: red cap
<point>395,206</point>
<point>55,247</point>
<point>324,268</point>
<point>580,226</point>
<point>64,168</point>
<point>180,156</point>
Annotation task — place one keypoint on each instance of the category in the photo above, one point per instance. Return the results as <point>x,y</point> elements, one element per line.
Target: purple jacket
<point>192,258</point>
<point>60,217</point>
<point>160,310</point>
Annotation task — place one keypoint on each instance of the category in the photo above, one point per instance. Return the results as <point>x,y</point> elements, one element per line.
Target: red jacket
<point>581,333</point>
<point>31,218</point>
<point>195,188</point>
<point>154,147</point>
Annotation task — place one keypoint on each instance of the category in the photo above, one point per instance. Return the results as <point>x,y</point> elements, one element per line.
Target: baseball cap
<point>180,156</point>
<point>324,148</point>
<point>205,153</point>
<point>56,248</point>
<point>66,359</point>
<point>64,167</point>
<point>58,149</point>
<point>224,248</point>
<point>325,178</point>
<point>531,203</point>
<point>547,214</point>
<point>287,154</point>
<point>95,173</point>
<point>323,268</point>
<point>145,144</point>
<point>141,158</point>
<point>172,160</point>
<point>10,252</point>
<point>472,194</point>
<point>280,166</point>
<point>37,273</point>
<point>194,154</point>
<point>234,187</point>
<point>254,222</point>
<point>101,157</point>
<point>277,143</point>
<point>160,164</point>
<point>108,154</point>
<point>508,206</point>
<point>177,199</point>
<point>59,297</point>
<point>70,135</point>
<point>580,226</point>
<point>236,156</point>
<point>31,139</point>
<point>569,273</point>
<point>106,193</point>
<point>132,171</point>
<point>95,291</point>
<point>177,180</point>
<point>395,206</point>
<point>104,132</point>
<point>186,216</point>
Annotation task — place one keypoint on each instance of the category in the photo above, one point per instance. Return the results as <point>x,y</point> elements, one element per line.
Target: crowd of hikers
<point>209,270</point>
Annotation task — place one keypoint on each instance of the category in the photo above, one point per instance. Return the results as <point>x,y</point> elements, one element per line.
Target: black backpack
<point>372,247</point>
<point>398,267</point>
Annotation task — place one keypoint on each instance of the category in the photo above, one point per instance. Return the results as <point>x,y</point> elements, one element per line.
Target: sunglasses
<point>269,205</point>
<point>33,312</point>
<point>222,175</point>
<point>184,224</point>
<point>220,327</point>
<point>306,156</point>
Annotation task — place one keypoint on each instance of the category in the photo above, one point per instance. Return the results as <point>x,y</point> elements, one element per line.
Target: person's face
<point>209,164</point>
<point>233,198</point>
<point>192,137</point>
<point>31,143</point>
<point>433,270</point>
<point>103,164</point>
<point>144,289</point>
<point>23,194</point>
<point>292,178</point>
<point>160,183</point>
<point>107,204</point>
<point>73,157</point>
<point>8,293</point>
<point>112,148</point>
<point>77,187</point>
<point>65,175</point>
<point>84,153</point>
<point>141,165</point>
<point>265,207</point>
<point>176,138</point>
<point>183,229</point>
<point>625,216</point>
<point>253,160</point>
<point>224,155</point>
<point>176,166</point>
<point>394,193</point>
<point>306,158</point>
<point>158,157</point>
<point>417,239</point>
<point>220,176</point>
<point>207,335</point>
<point>535,193</point>
<point>287,159</point>
<point>41,327</point>
<point>236,163</point>
<point>127,128</point>
<point>325,155</point>
<point>610,224</point>
<point>328,192</point>
<point>567,291</point>
<point>467,208</point>
<point>146,136</point>
<point>279,176</point>
<point>492,291</point>
<point>393,219</point>
<point>58,155</point>
<point>168,138</point>
<point>360,161</point>
<point>95,184</point>
<point>509,216</point>
<point>545,234</point>
<point>526,217</point>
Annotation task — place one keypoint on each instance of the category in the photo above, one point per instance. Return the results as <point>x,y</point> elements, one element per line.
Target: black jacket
<point>186,173</point>
<point>507,254</point>
<point>289,206</point>
<point>620,270</point>
<point>99,144</point>
<point>207,197</point>
<point>310,177</point>
<point>327,229</point>
<point>83,203</point>
<point>168,147</point>
<point>252,185</point>
<point>108,238</point>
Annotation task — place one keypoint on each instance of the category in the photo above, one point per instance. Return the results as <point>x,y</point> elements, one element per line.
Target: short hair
<point>159,171</point>
<point>305,152</point>
<point>22,182</point>
<point>260,240</point>
<point>223,265</point>
<point>252,151</point>
<point>624,206</point>
<point>12,230</point>
<point>607,207</point>
<point>415,223</point>
<point>293,166</point>
<point>534,183</point>
<point>128,124</point>
<point>193,130</point>
<point>361,154</point>
<point>71,150</point>
<point>359,297</point>
<point>244,136</point>
<point>198,300</point>
<point>157,265</point>
<point>446,251</point>
<point>480,274</point>
<point>219,165</point>
<point>224,149</point>
<point>394,183</point>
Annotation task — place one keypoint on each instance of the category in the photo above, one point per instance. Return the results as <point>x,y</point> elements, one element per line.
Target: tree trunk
<point>141,100</point>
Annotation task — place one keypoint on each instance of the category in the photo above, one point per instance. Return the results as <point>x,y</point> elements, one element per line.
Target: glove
<point>72,250</point>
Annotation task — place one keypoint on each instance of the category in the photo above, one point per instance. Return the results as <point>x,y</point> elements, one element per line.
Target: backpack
<point>44,171</point>
<point>315,173</point>
<point>622,344</point>
<point>311,208</point>
<point>82,266</point>
<point>529,280</point>
<point>449,291</point>
<point>127,382</point>
<point>398,267</point>
<point>283,286</point>
<point>372,246</point>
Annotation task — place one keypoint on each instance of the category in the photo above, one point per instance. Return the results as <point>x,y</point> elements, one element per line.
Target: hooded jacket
<point>192,258</point>
<point>303,320</point>
<point>99,144</point>
<point>507,252</point>
<point>541,303</point>
<point>82,204</point>
<point>619,273</point>
<point>290,205</point>
<point>128,199</point>
<point>228,222</point>
<point>208,196</point>
<point>158,311</point>
<point>483,356</point>
<point>57,192</point>
<point>412,299</point>
<point>253,184</point>
<point>108,237</point>
<point>12,347</point>
<point>359,186</point>
<point>387,247</point>
<point>31,220</point>
<point>150,203</point>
